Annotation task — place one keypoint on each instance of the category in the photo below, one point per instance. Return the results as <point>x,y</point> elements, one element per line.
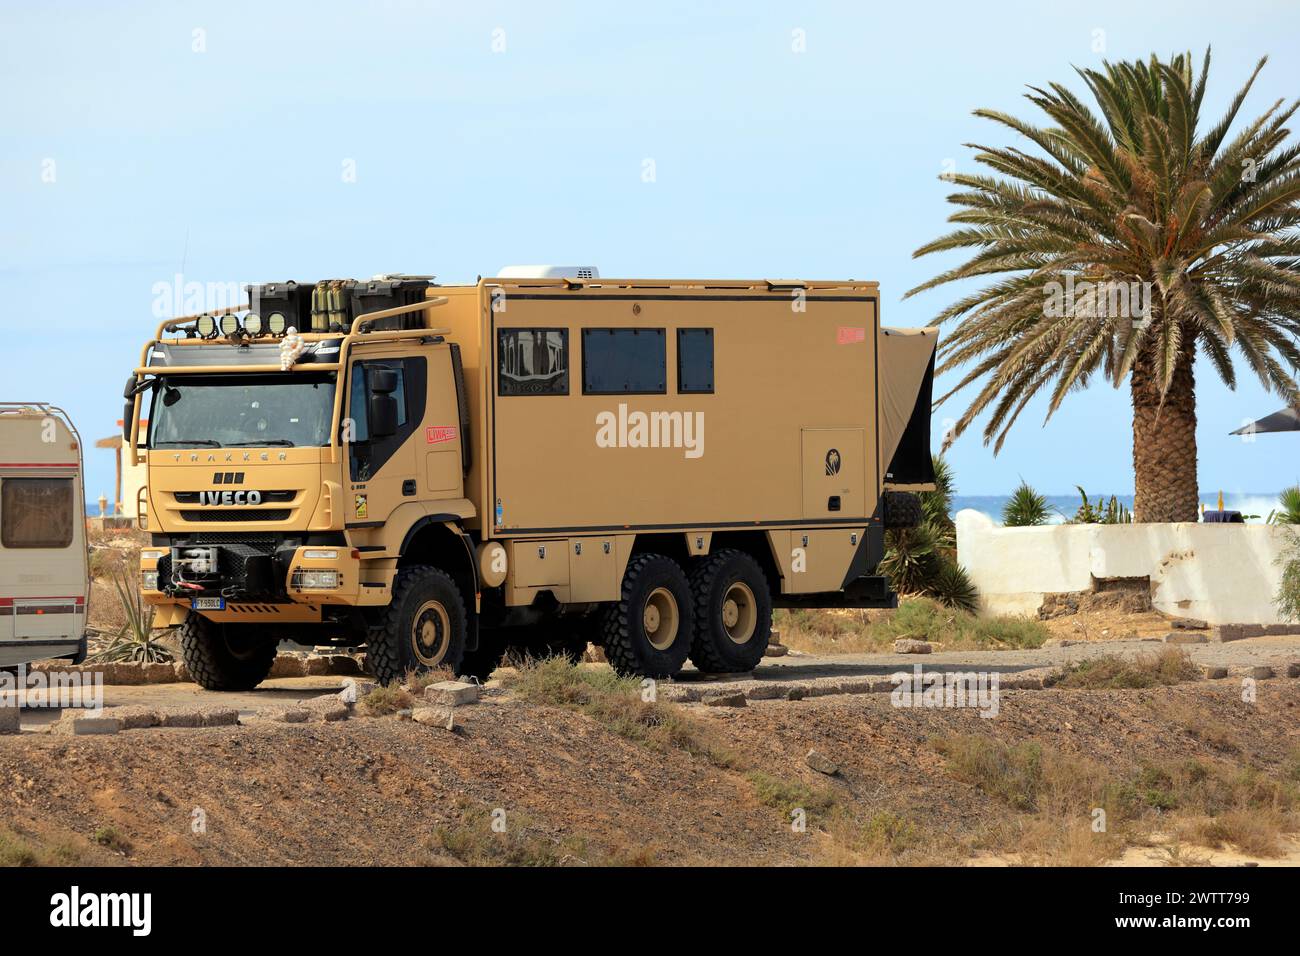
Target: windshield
<point>231,411</point>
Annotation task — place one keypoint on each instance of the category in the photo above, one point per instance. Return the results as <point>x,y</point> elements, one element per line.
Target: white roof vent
<point>549,272</point>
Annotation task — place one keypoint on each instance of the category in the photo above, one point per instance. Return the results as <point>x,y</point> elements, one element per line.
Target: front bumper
<point>250,571</point>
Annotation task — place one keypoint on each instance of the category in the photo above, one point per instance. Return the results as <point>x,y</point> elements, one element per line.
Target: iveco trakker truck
<point>545,459</point>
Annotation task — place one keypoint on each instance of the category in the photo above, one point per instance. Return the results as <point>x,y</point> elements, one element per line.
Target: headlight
<point>321,555</point>
<point>315,580</point>
<point>149,580</point>
<point>147,555</point>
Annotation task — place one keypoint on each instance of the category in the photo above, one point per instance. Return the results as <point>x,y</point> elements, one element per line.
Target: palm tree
<point>1134,203</point>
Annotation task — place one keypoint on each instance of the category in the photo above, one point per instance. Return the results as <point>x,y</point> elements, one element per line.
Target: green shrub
<point>1170,666</point>
<point>1026,508</point>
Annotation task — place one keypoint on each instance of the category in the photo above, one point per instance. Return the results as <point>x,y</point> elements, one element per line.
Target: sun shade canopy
<point>906,391</point>
<point>1287,420</point>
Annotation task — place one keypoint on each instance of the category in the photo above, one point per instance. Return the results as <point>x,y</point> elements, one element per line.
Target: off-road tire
<point>215,662</point>
<point>391,647</point>
<point>628,648</point>
<point>712,649</point>
<point>484,659</point>
<point>900,509</point>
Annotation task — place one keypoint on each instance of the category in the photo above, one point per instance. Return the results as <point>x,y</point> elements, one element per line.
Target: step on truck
<point>542,460</point>
<point>44,565</point>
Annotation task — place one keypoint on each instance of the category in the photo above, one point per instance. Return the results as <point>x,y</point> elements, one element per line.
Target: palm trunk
<point>1164,441</point>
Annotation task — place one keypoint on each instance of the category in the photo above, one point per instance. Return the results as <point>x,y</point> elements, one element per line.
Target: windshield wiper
<point>265,441</point>
<point>204,442</point>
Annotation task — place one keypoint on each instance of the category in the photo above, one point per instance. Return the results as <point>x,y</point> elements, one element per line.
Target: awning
<point>1287,420</point>
<point>906,391</point>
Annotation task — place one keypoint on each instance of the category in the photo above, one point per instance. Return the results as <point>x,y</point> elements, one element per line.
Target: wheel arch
<point>438,540</point>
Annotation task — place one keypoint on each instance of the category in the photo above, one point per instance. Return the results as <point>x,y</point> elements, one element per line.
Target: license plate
<point>209,604</point>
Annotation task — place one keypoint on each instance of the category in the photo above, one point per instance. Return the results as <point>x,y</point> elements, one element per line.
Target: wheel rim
<point>660,619</point>
<point>431,633</point>
<point>739,613</point>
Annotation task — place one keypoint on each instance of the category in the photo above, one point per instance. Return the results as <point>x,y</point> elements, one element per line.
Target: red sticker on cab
<point>437,434</point>
<point>848,335</point>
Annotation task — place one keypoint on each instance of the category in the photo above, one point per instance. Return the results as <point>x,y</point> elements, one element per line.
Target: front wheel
<point>226,657</point>
<point>425,626</point>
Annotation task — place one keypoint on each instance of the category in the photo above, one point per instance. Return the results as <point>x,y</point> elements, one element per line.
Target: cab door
<point>384,471</point>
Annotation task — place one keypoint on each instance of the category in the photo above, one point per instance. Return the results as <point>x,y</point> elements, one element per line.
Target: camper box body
<point>44,571</point>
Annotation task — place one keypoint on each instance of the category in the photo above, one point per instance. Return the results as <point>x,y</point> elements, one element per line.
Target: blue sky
<point>127,155</point>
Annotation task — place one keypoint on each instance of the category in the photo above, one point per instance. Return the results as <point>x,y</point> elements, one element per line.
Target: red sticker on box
<point>437,434</point>
<point>849,335</point>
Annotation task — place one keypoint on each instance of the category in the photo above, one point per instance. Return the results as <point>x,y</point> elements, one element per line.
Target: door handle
<point>408,487</point>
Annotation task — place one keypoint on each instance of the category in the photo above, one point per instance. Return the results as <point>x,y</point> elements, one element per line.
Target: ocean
<point>1064,506</point>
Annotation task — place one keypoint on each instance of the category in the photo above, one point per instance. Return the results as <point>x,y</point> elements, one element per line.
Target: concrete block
<point>1293,670</point>
<point>1216,673</point>
<point>1261,672</point>
<point>75,723</point>
<point>451,693</point>
<point>1186,637</point>
<point>776,650</point>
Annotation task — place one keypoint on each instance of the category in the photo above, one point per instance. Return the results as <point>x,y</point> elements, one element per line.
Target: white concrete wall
<point>1220,573</point>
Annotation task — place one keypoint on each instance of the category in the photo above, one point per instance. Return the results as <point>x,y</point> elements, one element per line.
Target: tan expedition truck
<point>542,459</point>
<point>44,567</point>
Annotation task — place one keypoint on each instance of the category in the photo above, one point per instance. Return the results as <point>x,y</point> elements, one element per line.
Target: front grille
<point>266,543</point>
<point>237,514</point>
<point>268,497</point>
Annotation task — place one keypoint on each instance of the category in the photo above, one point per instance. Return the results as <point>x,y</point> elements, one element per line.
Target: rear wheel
<point>424,626</point>
<point>648,632</point>
<point>227,657</point>
<point>733,613</point>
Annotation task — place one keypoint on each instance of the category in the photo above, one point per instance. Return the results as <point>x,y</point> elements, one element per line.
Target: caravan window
<point>36,512</point>
<point>623,362</point>
<point>532,361</point>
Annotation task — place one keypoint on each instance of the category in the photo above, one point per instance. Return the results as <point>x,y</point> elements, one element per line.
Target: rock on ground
<point>725,699</point>
<point>451,693</point>
<point>821,763</point>
<point>907,645</point>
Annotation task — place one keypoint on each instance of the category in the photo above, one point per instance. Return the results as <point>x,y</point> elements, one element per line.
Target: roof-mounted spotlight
<point>253,324</point>
<point>206,326</point>
<point>276,323</point>
<point>229,325</point>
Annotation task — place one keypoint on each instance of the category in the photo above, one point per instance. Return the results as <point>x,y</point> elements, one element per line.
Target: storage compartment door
<point>834,472</point>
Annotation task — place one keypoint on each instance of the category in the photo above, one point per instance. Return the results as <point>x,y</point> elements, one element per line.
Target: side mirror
<point>383,381</point>
<point>129,390</point>
<point>128,412</point>
<point>383,414</point>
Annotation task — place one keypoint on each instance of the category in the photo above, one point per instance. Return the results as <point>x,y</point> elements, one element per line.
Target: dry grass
<point>1110,672</point>
<point>16,850</point>
<point>618,704</point>
<point>386,700</point>
<point>861,632</point>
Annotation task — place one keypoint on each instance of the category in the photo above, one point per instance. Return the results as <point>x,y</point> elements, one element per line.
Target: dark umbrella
<point>1287,420</point>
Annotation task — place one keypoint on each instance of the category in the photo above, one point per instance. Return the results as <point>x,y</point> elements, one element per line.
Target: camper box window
<point>36,512</point>
<point>695,360</point>
<point>532,361</point>
<point>623,362</point>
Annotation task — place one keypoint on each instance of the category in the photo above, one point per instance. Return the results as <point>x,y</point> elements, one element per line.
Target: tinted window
<point>624,361</point>
<point>36,512</point>
<point>532,361</point>
<point>694,360</point>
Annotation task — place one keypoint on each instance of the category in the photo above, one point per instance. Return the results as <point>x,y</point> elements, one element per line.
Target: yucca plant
<point>951,585</point>
<point>1026,508</point>
<point>135,641</point>
<point>1288,511</point>
<point>923,560</point>
<point>1137,197</point>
